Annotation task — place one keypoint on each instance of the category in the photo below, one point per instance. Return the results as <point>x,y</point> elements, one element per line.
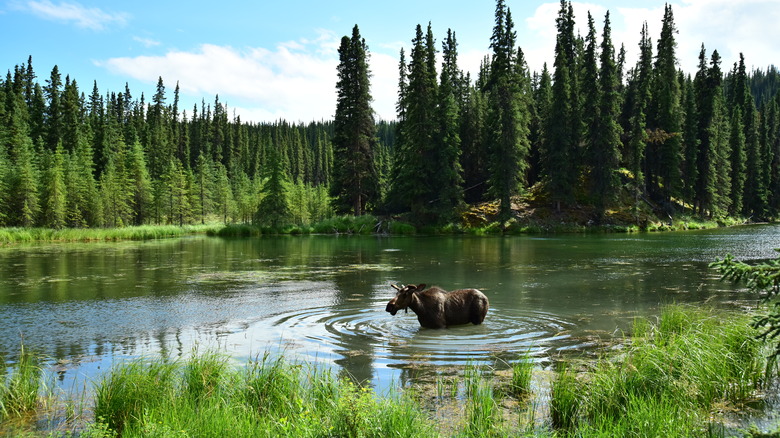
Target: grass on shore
<point>670,380</point>
<point>144,232</point>
<point>19,391</point>
<point>345,224</point>
<point>268,397</point>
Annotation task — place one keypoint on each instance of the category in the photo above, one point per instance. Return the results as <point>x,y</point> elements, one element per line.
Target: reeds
<point>144,232</point>
<point>522,373</point>
<point>203,396</point>
<point>19,392</point>
<point>668,381</point>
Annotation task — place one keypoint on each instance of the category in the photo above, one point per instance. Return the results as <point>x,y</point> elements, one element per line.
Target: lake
<point>322,298</point>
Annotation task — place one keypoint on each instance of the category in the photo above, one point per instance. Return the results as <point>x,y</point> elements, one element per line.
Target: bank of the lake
<point>481,219</point>
<point>143,232</point>
<point>673,378</point>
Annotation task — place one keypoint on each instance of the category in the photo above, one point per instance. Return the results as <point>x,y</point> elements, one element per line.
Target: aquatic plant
<point>204,396</point>
<point>19,392</point>
<point>522,373</point>
<point>669,379</point>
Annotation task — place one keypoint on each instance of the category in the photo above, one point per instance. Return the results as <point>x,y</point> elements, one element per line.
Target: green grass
<point>19,392</point>
<point>144,232</point>
<point>668,382</point>
<point>565,399</point>
<point>204,396</point>
<point>522,373</point>
<point>347,224</point>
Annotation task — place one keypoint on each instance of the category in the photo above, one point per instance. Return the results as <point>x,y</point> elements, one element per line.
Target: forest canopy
<point>587,130</point>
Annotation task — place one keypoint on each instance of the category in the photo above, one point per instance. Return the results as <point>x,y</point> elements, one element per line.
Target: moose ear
<point>395,286</point>
<point>421,286</point>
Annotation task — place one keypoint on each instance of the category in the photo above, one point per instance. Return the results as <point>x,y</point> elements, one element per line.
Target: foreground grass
<point>670,381</point>
<point>19,392</point>
<point>268,397</point>
<point>144,232</point>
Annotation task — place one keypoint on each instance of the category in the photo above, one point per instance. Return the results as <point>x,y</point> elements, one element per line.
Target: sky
<point>271,60</point>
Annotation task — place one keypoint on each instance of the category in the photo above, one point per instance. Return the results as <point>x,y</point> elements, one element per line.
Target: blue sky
<point>270,59</point>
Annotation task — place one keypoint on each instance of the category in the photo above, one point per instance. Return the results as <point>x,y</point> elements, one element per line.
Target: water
<point>322,298</point>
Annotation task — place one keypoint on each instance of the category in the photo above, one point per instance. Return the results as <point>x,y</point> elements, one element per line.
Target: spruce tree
<point>768,132</point>
<point>755,197</point>
<point>541,113</point>
<point>411,186</point>
<point>274,207</point>
<point>508,114</point>
<point>5,177</point>
<point>472,137</point>
<point>447,172</point>
<point>140,184</point>
<point>591,93</point>
<point>558,155</point>
<point>605,153</point>
<point>53,115</point>
<point>773,143</point>
<point>738,159</point>
<point>83,207</point>
<point>638,109</point>
<point>223,200</point>
<point>666,115</point>
<point>115,192</point>
<point>355,185</point>
<point>53,190</point>
<point>691,143</point>
<point>719,139</point>
<point>24,198</point>
<point>204,182</point>
<point>708,94</point>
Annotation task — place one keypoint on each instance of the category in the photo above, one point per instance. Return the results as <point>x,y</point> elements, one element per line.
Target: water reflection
<point>322,298</point>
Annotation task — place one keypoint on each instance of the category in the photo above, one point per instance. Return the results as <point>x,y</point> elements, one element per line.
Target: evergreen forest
<point>587,130</point>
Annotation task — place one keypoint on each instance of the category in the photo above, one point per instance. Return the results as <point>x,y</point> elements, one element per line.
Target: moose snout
<point>391,309</point>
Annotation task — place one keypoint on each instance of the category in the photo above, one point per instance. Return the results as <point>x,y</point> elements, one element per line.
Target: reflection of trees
<point>354,287</point>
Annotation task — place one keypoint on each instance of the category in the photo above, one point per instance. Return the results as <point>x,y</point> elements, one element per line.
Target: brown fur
<point>437,308</point>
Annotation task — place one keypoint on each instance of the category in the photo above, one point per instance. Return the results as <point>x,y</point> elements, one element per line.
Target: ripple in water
<point>360,330</point>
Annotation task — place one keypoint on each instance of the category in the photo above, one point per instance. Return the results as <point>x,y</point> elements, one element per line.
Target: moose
<point>437,308</point>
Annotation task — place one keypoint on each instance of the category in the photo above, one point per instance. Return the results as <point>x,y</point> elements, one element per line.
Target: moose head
<point>403,298</point>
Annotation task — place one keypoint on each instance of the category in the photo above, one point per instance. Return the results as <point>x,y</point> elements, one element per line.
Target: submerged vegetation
<point>673,378</point>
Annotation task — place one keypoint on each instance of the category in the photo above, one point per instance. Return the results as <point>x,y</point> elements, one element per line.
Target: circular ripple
<point>360,330</point>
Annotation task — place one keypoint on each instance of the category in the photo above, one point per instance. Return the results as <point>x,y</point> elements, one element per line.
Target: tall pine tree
<point>605,150</point>
<point>508,114</point>
<point>355,185</point>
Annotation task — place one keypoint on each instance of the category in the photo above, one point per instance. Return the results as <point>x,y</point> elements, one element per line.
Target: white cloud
<point>295,81</point>
<point>384,84</point>
<point>86,18</point>
<point>146,42</point>
<point>748,26</point>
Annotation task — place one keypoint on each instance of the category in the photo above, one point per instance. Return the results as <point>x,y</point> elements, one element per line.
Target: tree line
<point>589,130</point>
<point>70,159</point>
